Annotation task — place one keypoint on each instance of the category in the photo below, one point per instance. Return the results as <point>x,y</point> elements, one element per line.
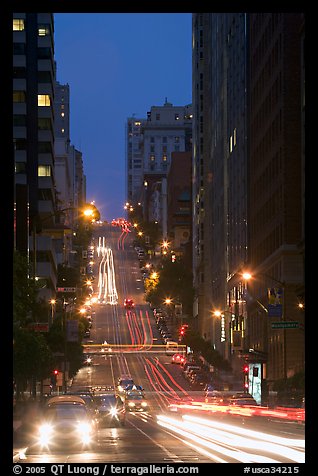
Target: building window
<point>44,53</point>
<point>20,167</point>
<point>164,140</point>
<point>19,48</point>
<point>19,96</point>
<point>19,72</point>
<point>164,158</point>
<point>152,158</point>
<point>19,120</point>
<point>157,117</point>
<point>18,24</point>
<point>62,114</point>
<point>43,30</point>
<point>177,117</point>
<point>44,171</point>
<point>177,139</point>
<point>44,100</point>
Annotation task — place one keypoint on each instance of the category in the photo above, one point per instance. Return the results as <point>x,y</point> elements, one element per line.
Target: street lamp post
<point>275,299</point>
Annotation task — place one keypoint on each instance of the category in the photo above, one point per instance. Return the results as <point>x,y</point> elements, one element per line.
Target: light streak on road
<point>107,291</point>
<point>235,442</point>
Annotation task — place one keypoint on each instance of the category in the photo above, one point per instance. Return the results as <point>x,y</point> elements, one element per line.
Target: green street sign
<point>285,325</point>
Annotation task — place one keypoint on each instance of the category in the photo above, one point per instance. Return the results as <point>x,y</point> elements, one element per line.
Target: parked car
<point>111,410</point>
<point>66,421</point>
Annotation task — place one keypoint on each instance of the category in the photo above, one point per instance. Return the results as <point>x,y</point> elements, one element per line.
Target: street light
<point>276,307</point>
<point>52,302</point>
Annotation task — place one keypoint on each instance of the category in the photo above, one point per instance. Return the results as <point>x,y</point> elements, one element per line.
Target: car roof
<point>65,399</point>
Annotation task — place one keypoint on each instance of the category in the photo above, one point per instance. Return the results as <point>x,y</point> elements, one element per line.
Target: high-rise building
<point>219,173</point>
<point>248,187</point>
<point>134,159</point>
<point>276,203</point>
<point>33,135</point>
<point>150,143</point>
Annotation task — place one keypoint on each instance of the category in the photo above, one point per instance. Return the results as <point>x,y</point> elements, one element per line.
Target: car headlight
<point>113,411</point>
<point>45,433</point>
<point>131,404</point>
<point>144,404</point>
<point>84,430</point>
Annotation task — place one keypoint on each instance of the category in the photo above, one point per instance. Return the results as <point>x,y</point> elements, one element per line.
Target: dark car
<point>66,422</point>
<point>129,303</point>
<point>123,382</point>
<point>110,410</point>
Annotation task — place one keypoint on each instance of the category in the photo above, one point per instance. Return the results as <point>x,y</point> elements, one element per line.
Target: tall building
<point>179,201</point>
<point>33,135</point>
<point>134,159</point>
<point>167,129</point>
<point>276,204</point>
<point>219,175</point>
<point>248,187</point>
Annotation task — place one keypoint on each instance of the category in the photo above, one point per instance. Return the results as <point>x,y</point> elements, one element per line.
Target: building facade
<point>33,135</point>
<point>276,177</point>
<point>219,175</point>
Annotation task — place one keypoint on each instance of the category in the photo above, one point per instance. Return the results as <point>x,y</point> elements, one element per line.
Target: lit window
<point>137,123</point>
<point>18,24</point>
<point>234,137</point>
<point>44,100</point>
<point>62,114</point>
<point>44,171</point>
<point>43,30</point>
<point>62,106</point>
<point>176,116</point>
<point>152,158</point>
<point>62,130</point>
<point>164,158</point>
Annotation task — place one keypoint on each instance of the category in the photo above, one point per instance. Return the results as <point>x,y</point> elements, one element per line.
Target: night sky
<point>117,65</point>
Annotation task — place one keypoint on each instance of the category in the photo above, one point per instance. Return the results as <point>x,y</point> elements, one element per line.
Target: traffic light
<point>245,377</point>
<point>54,376</point>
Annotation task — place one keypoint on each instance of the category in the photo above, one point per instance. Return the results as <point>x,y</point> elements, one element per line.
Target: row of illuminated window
<point>152,158</point>
<point>43,170</point>
<point>43,99</point>
<point>19,25</point>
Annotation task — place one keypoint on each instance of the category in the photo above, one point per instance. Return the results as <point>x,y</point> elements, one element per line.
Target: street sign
<point>66,290</point>
<point>72,330</point>
<point>285,325</point>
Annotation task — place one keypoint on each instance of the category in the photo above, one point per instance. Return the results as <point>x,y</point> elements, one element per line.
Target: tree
<point>32,358</point>
<point>24,290</point>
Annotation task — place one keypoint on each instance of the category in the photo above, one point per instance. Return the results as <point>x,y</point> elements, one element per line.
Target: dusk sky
<point>117,65</point>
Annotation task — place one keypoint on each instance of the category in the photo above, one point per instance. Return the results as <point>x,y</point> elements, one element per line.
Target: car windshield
<point>135,396</point>
<point>72,412</point>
